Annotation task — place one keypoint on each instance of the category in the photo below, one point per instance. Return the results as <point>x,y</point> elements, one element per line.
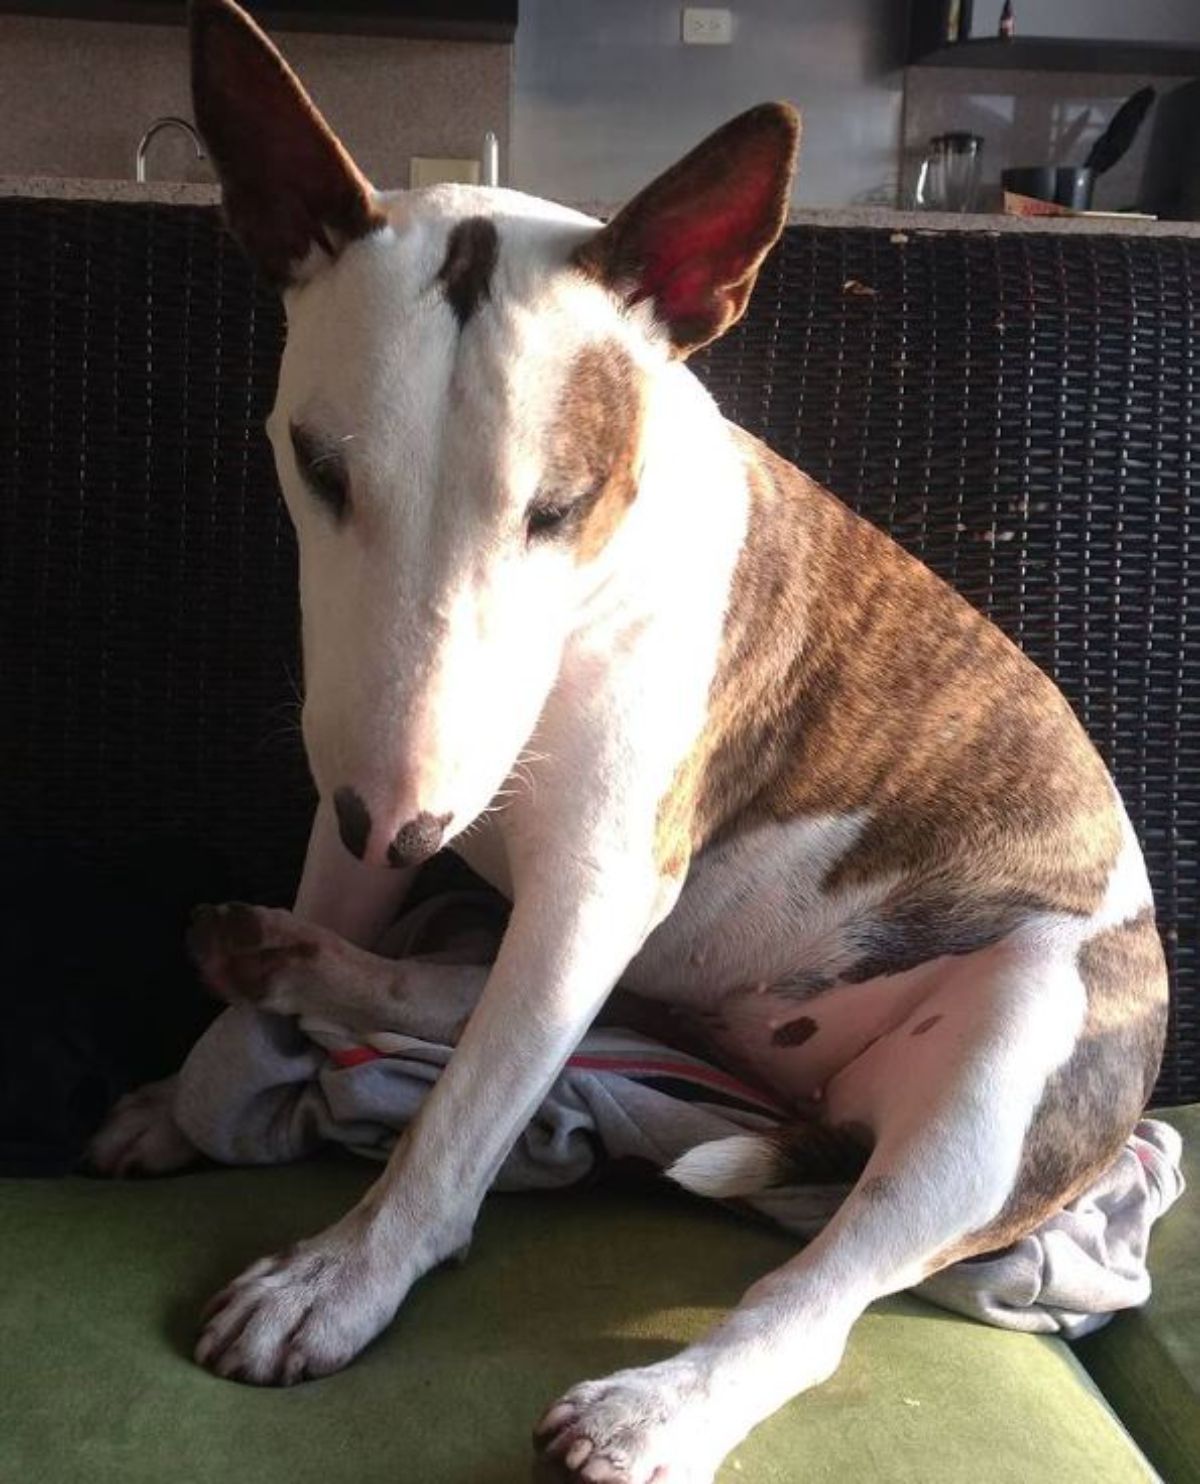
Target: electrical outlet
<point>706,26</point>
<point>427,170</point>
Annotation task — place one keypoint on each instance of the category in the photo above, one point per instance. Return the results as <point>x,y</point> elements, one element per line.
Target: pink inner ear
<point>686,258</point>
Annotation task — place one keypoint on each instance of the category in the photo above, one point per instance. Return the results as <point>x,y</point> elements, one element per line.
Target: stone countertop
<point>174,193</point>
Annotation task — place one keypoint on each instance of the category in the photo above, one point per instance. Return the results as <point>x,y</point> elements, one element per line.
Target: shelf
<point>1049,54</point>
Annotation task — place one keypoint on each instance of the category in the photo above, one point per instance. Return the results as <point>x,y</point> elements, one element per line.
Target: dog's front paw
<point>649,1426</point>
<point>140,1135</point>
<point>304,1313</point>
<point>262,955</point>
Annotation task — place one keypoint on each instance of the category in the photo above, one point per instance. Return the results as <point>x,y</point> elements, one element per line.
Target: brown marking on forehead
<point>795,1032</point>
<point>1090,1105</point>
<point>466,272</point>
<point>852,678</point>
<point>926,1025</point>
<point>593,450</point>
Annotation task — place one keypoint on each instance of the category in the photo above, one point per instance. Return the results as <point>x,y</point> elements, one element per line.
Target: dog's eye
<point>323,470</point>
<point>546,518</point>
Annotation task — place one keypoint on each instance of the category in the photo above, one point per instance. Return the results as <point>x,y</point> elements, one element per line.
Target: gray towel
<point>261,1089</point>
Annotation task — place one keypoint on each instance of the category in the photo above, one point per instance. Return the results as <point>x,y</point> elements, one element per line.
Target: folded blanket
<point>261,1089</point>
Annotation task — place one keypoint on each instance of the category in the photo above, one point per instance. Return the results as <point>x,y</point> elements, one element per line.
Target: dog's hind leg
<point>140,1135</point>
<point>960,1098</point>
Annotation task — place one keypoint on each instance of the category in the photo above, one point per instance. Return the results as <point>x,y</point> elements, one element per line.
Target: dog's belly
<point>748,957</point>
<point>751,953</point>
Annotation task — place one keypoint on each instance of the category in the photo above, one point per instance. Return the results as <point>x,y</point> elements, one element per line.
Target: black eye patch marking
<point>323,469</point>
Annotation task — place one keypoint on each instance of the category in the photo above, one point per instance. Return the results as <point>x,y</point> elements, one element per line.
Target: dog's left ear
<point>694,240</point>
<point>288,185</point>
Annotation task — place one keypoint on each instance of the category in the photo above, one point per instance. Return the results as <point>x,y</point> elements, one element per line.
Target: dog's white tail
<point>745,1164</point>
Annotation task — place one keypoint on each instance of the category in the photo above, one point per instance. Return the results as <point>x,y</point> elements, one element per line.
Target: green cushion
<point>1147,1361</point>
<point>102,1285</point>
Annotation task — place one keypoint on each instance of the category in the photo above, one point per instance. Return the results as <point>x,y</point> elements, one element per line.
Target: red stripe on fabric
<point>355,1056</point>
<point>686,1070</point>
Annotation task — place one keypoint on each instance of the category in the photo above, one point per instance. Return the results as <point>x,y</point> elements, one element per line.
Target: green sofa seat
<point>103,1284</point>
<point>1148,1360</point>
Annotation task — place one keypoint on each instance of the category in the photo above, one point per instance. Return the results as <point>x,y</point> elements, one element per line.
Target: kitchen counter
<point>175,193</point>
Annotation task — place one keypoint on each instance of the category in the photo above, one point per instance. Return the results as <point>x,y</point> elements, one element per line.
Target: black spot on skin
<point>926,1025</point>
<point>795,1032</point>
<point>466,273</point>
<point>418,840</point>
<point>354,821</point>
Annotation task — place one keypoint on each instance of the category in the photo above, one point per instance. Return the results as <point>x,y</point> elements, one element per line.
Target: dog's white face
<point>455,456</point>
<point>459,422</point>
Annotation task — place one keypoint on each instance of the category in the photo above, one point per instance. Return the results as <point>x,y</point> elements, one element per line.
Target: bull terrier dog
<point>780,774</point>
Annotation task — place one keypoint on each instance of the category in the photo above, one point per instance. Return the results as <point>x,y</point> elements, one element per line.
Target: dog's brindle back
<point>780,774</point>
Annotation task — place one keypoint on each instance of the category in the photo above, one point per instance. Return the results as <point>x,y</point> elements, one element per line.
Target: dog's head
<point>460,420</point>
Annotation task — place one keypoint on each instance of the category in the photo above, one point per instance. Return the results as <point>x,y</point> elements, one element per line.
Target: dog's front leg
<point>307,1312</point>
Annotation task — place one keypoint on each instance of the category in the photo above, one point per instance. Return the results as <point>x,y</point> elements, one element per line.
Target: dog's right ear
<point>290,190</point>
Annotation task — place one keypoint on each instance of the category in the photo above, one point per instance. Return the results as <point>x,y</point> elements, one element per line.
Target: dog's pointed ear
<point>288,185</point>
<point>694,240</point>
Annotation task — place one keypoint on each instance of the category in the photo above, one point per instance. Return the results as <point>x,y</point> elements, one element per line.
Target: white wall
<point>75,96</point>
<point>607,95</point>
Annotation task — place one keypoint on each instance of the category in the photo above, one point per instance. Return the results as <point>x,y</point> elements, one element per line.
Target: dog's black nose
<point>354,821</point>
<point>418,840</point>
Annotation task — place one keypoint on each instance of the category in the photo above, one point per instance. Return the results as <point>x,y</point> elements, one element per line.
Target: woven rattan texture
<point>1020,411</point>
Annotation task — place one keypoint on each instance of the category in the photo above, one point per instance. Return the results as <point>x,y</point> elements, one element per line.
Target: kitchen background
<point>596,95</point>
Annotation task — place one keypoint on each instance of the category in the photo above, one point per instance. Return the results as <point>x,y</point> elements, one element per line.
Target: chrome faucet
<point>170,122</point>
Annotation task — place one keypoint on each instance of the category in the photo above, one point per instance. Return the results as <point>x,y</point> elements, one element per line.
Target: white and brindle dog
<point>714,736</point>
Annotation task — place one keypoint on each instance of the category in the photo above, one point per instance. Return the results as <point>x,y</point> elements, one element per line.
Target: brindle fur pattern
<point>1091,1102</point>
<point>853,678</point>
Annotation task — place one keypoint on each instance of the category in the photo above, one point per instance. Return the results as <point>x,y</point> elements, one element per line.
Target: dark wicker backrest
<point>1021,411</point>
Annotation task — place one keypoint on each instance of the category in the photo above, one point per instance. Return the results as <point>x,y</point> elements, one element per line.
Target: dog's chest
<point>755,911</point>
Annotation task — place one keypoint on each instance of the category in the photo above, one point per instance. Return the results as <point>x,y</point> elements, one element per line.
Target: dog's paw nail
<point>555,1419</point>
<point>579,1451</point>
<point>601,1471</point>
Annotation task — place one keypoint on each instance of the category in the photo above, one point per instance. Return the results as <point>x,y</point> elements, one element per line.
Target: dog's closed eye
<point>551,515</point>
<point>323,469</point>
<point>545,518</point>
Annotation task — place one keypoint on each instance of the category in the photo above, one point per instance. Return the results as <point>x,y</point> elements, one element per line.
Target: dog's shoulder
<point>852,679</point>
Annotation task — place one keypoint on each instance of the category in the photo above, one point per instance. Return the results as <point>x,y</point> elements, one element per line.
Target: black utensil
<point>1121,132</point>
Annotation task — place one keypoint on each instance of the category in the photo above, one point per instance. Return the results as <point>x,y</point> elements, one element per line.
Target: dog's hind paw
<point>140,1136</point>
<point>259,955</point>
<point>649,1426</point>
